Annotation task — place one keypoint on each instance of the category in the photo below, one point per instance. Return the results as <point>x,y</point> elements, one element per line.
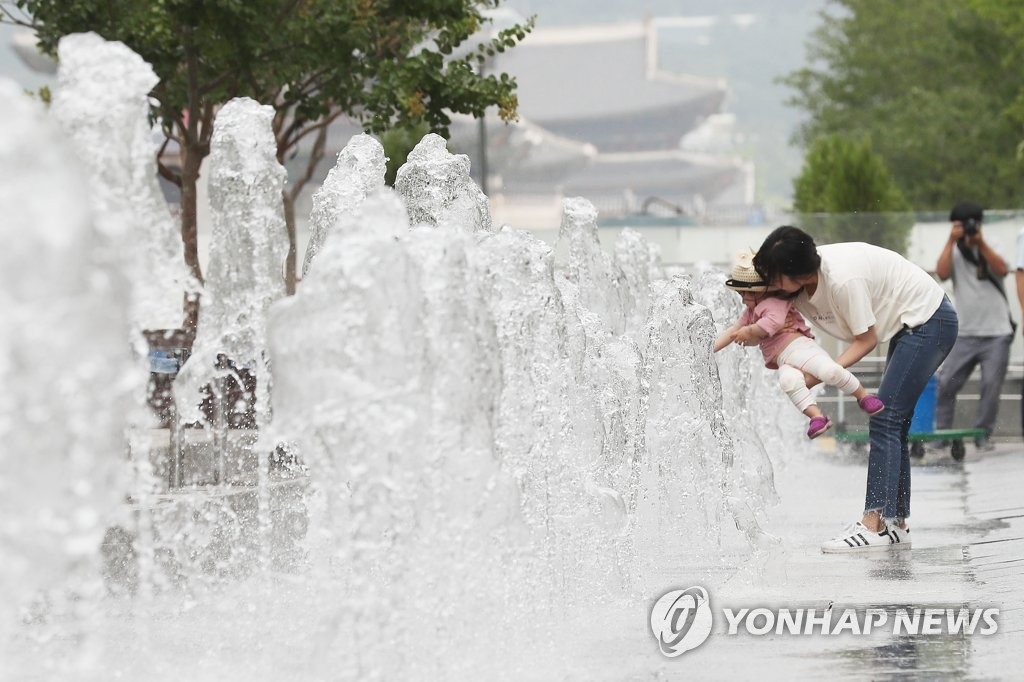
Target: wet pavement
<point>967,526</point>
<point>968,553</point>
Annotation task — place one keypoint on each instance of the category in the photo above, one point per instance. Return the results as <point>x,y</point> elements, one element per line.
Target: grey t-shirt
<point>981,309</point>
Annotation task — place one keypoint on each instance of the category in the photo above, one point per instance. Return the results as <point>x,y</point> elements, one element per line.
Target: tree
<point>845,193</point>
<point>386,63</point>
<point>926,82</point>
<point>1009,17</point>
<point>397,143</point>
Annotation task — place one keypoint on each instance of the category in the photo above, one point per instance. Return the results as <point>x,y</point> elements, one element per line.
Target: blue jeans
<point>914,355</point>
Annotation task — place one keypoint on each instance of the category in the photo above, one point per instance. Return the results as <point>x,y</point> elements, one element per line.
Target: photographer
<point>986,330</point>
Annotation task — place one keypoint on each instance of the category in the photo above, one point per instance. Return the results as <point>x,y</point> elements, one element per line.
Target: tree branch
<point>315,154</point>
<point>167,174</point>
<point>13,20</point>
<point>320,125</point>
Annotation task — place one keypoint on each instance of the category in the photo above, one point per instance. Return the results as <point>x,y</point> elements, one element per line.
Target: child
<point>788,346</point>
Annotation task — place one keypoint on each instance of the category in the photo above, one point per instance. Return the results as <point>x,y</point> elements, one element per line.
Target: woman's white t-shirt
<point>860,285</point>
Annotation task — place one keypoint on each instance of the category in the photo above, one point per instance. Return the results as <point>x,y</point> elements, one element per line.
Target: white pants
<point>805,355</point>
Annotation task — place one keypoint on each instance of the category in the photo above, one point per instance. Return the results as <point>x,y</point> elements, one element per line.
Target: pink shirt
<point>780,319</point>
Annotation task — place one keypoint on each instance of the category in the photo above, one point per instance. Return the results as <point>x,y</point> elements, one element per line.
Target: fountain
<point>465,442</point>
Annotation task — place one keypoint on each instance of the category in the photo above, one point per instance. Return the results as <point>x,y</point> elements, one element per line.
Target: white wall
<point>687,245</point>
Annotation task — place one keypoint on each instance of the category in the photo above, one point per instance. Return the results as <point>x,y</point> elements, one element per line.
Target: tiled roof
<point>650,128</point>
<point>594,72</point>
<point>672,176</point>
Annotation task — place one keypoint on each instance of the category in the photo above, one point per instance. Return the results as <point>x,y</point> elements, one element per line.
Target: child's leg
<point>793,383</point>
<point>807,356</point>
<point>791,380</point>
<point>813,411</point>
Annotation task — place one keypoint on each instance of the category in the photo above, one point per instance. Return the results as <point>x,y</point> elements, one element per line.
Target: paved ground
<point>968,551</point>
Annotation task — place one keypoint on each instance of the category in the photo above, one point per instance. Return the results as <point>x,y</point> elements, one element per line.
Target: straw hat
<point>743,276</point>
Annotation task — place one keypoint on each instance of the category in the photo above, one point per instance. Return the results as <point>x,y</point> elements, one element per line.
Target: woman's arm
<point>861,346</point>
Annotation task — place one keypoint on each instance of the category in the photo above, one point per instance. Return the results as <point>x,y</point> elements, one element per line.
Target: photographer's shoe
<point>984,444</point>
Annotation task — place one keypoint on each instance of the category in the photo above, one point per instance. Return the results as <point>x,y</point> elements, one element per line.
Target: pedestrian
<point>986,327</point>
<point>788,346</point>
<point>866,295</point>
<point>1019,277</point>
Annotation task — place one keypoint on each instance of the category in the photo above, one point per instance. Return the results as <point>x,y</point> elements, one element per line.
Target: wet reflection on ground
<point>897,565</point>
<point>906,657</point>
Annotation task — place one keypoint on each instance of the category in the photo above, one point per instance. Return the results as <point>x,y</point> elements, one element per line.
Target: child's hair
<point>787,251</point>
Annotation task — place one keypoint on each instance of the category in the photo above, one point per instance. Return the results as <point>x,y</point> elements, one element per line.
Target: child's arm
<point>727,337</point>
<point>746,335</point>
<point>750,334</point>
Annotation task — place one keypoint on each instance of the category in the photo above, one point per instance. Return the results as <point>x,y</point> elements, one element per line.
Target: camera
<point>971,226</point>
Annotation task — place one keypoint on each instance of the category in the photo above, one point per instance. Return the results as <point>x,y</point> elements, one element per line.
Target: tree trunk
<point>289,264</point>
<point>291,195</point>
<point>190,162</point>
<point>189,211</point>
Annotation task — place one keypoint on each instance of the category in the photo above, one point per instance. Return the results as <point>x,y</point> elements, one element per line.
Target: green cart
<point>917,440</point>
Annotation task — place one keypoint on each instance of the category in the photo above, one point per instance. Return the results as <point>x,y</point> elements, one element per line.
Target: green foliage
<point>1009,17</point>
<point>382,61</point>
<point>926,82</point>
<point>397,143</point>
<point>846,193</point>
<point>387,63</point>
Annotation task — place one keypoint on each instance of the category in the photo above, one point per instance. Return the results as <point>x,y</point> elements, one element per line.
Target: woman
<point>788,345</point>
<point>866,295</point>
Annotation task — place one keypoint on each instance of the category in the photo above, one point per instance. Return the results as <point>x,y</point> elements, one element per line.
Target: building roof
<point>625,182</point>
<point>598,119</point>
<point>647,129</point>
<point>592,72</point>
<point>522,153</point>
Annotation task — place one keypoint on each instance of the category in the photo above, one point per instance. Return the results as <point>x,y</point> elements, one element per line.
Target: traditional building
<point>599,119</point>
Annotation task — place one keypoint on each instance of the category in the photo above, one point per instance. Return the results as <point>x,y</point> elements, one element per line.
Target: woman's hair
<point>786,251</point>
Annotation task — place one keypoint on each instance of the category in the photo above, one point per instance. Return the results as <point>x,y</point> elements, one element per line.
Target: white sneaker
<point>857,537</point>
<point>902,535</point>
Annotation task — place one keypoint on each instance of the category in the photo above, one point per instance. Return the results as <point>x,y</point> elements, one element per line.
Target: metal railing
<point>869,371</point>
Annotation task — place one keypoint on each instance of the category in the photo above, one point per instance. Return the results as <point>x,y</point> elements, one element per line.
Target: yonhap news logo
<point>682,620</point>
